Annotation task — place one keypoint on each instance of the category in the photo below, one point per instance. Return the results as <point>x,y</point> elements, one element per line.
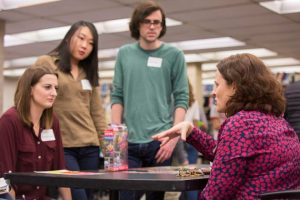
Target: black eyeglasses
<point>149,22</point>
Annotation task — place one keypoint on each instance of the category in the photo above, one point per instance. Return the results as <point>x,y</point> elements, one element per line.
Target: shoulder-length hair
<point>142,11</point>
<point>31,77</point>
<point>89,64</point>
<point>256,88</point>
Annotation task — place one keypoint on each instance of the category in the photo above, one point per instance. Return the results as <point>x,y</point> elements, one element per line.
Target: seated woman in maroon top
<point>257,151</point>
<point>30,137</point>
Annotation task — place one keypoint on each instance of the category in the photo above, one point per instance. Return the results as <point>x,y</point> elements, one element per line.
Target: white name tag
<point>4,186</point>
<point>47,135</point>
<point>154,62</point>
<point>86,84</point>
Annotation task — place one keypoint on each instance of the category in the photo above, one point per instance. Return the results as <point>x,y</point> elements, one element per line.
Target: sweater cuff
<point>190,137</point>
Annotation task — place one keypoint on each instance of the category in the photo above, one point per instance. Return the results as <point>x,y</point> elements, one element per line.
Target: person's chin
<point>48,105</point>
<point>218,109</point>
<point>151,39</point>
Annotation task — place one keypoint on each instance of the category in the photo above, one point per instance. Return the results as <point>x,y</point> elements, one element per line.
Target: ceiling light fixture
<point>19,62</point>
<point>282,6</point>
<point>51,34</point>
<point>281,62</point>
<point>284,69</point>
<point>208,43</point>
<point>108,53</point>
<point>219,55</point>
<point>13,4</point>
<point>189,58</point>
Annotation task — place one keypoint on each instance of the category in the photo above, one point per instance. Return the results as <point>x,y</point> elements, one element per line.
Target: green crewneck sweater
<point>149,84</point>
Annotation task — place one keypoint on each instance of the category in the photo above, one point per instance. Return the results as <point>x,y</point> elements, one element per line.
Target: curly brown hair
<point>142,11</point>
<point>256,86</point>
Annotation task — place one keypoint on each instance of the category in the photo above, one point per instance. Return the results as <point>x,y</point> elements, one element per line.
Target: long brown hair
<point>22,98</point>
<point>256,86</point>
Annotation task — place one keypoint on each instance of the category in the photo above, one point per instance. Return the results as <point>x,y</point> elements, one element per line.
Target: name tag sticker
<point>47,135</point>
<point>86,84</point>
<point>154,62</point>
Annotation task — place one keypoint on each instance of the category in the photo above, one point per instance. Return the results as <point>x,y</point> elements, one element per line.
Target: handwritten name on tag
<point>47,135</point>
<point>154,62</point>
<point>86,85</point>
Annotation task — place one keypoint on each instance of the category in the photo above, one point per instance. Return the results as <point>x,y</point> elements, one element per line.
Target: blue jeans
<point>143,155</point>
<point>5,196</point>
<point>192,153</point>
<point>82,158</point>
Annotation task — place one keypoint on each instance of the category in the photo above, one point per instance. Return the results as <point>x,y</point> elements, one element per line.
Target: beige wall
<point>297,77</point>
<point>2,32</point>
<point>10,85</point>
<point>195,77</point>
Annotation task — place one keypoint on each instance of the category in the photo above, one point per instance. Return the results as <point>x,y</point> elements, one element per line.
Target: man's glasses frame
<point>148,22</point>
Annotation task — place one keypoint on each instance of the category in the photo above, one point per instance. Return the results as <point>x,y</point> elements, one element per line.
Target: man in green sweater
<point>150,91</point>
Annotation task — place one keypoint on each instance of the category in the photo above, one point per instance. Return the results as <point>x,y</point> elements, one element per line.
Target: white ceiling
<point>244,20</point>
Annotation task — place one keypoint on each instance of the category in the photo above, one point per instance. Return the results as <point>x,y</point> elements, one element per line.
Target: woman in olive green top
<point>78,105</point>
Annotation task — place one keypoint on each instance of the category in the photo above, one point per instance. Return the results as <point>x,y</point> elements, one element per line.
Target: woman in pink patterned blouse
<point>257,151</point>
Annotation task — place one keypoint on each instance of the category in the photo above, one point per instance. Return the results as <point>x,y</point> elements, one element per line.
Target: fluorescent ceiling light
<point>108,53</point>
<point>208,43</point>
<point>189,58</point>
<point>289,69</point>
<point>209,66</point>
<point>107,64</point>
<point>20,62</point>
<point>268,62</point>
<point>281,62</point>
<point>13,72</point>
<point>219,55</point>
<point>172,22</point>
<point>193,45</point>
<point>35,36</point>
<point>121,25</point>
<point>106,74</point>
<point>282,6</point>
<point>111,26</point>
<point>12,4</point>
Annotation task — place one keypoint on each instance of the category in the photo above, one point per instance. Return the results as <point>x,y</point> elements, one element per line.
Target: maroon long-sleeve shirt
<point>22,151</point>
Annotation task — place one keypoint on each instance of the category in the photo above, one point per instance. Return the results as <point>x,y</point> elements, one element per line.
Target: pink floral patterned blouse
<point>255,153</point>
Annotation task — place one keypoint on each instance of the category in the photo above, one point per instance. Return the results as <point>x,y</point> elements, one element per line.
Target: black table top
<point>150,179</point>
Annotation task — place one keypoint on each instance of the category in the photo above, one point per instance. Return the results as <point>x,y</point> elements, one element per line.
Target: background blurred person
<point>78,105</point>
<point>216,119</point>
<point>30,134</point>
<point>292,113</point>
<point>257,151</point>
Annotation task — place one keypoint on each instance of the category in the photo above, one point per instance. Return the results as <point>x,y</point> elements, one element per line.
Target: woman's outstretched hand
<point>182,129</point>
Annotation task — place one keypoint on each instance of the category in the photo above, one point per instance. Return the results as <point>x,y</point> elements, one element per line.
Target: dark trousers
<point>143,155</point>
<point>82,158</point>
<point>5,196</point>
